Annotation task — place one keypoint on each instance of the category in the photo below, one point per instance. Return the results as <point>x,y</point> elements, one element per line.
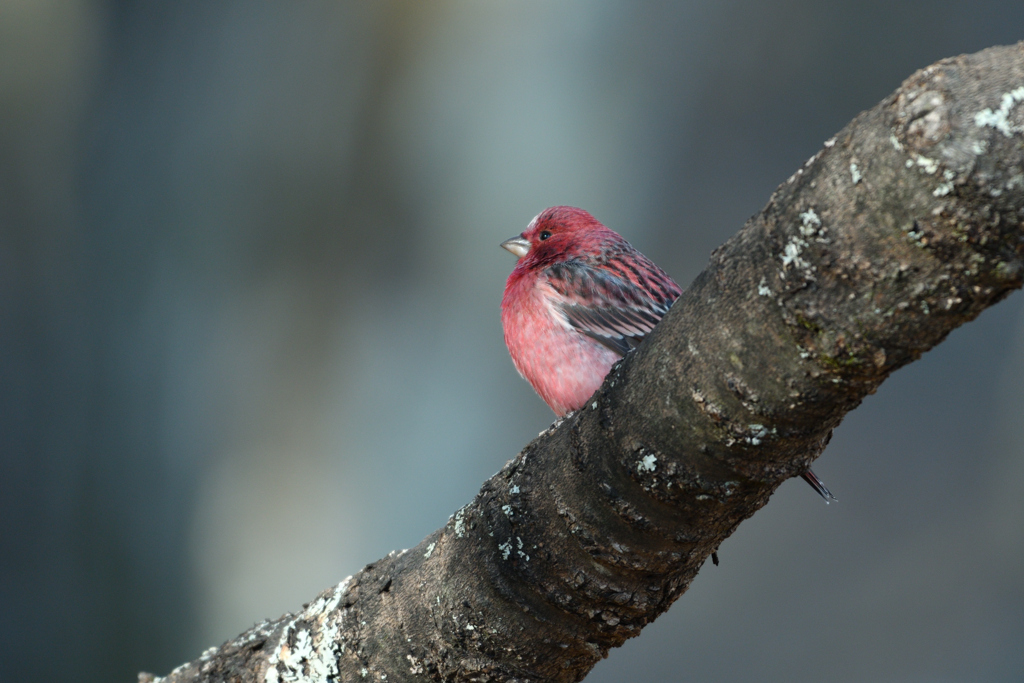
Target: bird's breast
<point>564,366</point>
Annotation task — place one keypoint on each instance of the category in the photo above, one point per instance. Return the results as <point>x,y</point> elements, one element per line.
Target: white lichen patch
<point>810,226</point>
<point>326,604</point>
<point>313,657</point>
<point>519,550</point>
<point>294,657</point>
<point>946,186</point>
<point>763,289</point>
<point>809,223</point>
<point>259,631</point>
<point>896,144</point>
<point>506,549</point>
<point>926,164</point>
<point>855,173</point>
<point>593,406</point>
<point>757,434</point>
<point>648,463</point>
<point>460,524</point>
<point>430,550</point>
<point>830,142</point>
<point>1000,118</point>
<point>507,509</point>
<point>281,653</point>
<point>791,253</point>
<point>513,490</point>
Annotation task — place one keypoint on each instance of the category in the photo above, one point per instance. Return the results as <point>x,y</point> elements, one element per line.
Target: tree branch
<point>904,226</point>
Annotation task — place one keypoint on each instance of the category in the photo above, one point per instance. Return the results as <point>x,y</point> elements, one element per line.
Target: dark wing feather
<point>613,303</point>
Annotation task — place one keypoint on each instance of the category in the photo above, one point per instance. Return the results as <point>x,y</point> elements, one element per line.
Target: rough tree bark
<point>905,225</point>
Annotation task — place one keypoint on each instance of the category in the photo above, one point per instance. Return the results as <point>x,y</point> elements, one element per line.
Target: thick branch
<point>904,226</point>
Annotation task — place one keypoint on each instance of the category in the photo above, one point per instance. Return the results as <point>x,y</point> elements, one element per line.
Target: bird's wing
<point>613,303</point>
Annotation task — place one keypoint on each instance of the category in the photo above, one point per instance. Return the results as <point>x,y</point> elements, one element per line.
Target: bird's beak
<point>517,245</point>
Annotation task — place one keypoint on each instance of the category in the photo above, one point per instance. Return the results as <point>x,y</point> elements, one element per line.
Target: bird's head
<point>558,234</point>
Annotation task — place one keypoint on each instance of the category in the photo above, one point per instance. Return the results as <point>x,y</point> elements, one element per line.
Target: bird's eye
<point>545,234</point>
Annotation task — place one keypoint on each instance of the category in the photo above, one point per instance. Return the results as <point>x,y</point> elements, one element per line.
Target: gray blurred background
<point>249,332</point>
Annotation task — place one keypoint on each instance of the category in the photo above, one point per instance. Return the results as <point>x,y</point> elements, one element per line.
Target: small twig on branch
<point>904,226</point>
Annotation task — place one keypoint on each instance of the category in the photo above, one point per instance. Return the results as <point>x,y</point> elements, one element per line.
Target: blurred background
<point>249,331</point>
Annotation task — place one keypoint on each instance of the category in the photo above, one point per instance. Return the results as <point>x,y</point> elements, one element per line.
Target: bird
<point>579,298</point>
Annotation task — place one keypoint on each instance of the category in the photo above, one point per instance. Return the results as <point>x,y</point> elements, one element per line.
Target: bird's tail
<point>819,486</point>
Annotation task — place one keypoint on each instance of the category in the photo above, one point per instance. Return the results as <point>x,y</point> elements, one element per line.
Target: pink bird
<point>577,301</point>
